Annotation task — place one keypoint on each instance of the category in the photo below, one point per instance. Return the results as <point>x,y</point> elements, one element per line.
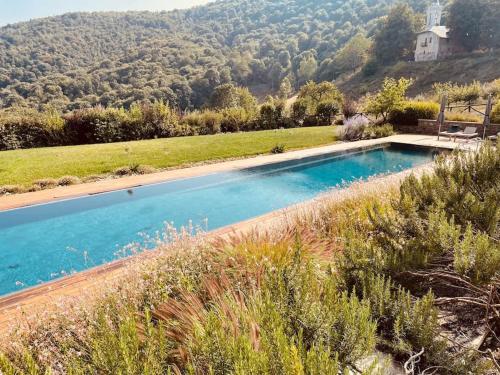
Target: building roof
<point>440,31</point>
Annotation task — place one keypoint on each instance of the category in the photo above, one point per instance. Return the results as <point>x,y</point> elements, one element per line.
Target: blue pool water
<point>43,242</point>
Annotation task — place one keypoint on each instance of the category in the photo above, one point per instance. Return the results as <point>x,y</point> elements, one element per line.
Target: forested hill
<point>83,59</point>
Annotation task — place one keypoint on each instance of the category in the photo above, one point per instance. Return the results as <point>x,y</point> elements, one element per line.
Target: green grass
<point>23,167</point>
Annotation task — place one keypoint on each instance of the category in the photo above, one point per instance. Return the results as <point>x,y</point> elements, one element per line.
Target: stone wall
<point>430,127</point>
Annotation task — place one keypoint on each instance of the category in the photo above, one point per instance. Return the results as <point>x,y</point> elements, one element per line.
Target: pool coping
<point>9,202</point>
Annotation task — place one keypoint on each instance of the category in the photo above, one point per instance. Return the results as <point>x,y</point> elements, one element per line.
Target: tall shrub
<point>411,111</point>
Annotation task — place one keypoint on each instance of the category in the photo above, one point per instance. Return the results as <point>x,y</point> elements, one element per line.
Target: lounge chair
<point>452,130</point>
<point>494,137</point>
<point>469,132</point>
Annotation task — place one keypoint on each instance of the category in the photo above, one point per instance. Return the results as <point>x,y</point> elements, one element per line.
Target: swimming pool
<point>43,242</point>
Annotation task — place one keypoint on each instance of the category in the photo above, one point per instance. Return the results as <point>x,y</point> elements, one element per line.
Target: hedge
<point>412,111</point>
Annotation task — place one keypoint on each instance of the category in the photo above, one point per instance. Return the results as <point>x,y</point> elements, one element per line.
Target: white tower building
<point>434,13</point>
<point>433,43</point>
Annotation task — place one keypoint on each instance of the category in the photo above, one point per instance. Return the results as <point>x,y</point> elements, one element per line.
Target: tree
<point>353,55</point>
<point>389,98</point>
<point>230,96</point>
<point>396,38</point>
<point>285,88</point>
<point>326,110</point>
<point>490,25</point>
<point>464,21</point>
<point>314,93</point>
<point>307,68</point>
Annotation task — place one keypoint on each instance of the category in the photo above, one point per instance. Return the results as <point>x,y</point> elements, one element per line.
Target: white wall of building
<point>427,46</point>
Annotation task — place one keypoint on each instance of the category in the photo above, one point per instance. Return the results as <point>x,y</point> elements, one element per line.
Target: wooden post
<point>487,114</point>
<point>440,118</point>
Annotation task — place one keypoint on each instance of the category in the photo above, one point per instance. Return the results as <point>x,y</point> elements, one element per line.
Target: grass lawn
<point>23,167</point>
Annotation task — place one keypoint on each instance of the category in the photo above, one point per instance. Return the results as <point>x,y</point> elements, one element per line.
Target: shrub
<point>95,125</point>
<point>456,93</point>
<point>299,111</point>
<point>411,111</point>
<point>495,114</point>
<point>236,119</point>
<point>353,129</point>
<point>46,183</point>
<point>205,122</point>
<point>349,108</point>
<point>378,131</point>
<point>25,128</point>
<point>68,180</point>
<point>325,112</point>
<point>271,114</point>
<point>390,98</point>
<point>11,189</point>
<point>278,149</point>
<point>462,116</point>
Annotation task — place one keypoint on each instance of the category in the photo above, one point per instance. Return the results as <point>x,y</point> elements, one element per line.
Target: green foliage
<point>396,37</point>
<point>23,128</point>
<point>353,55</point>
<point>315,93</point>
<point>464,21</point>
<point>204,122</point>
<point>326,110</point>
<point>278,149</point>
<point>229,96</point>
<point>285,89</point>
<point>122,346</point>
<point>272,115</point>
<point>454,211</point>
<point>456,93</point>
<point>495,114</point>
<point>390,98</point>
<point>411,111</point>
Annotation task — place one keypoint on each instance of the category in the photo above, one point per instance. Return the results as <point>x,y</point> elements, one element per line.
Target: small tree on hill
<point>285,88</point>
<point>353,55</point>
<point>389,98</point>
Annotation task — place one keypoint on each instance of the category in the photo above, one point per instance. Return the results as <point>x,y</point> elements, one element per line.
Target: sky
<point>12,11</point>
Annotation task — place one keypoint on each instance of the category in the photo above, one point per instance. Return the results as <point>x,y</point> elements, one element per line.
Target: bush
<point>95,125</point>
<point>236,120</point>
<point>299,111</point>
<point>26,128</point>
<point>11,189</point>
<point>278,149</point>
<point>326,111</point>
<point>68,180</point>
<point>378,131</point>
<point>353,129</point>
<point>46,183</point>
<point>271,114</point>
<point>411,111</point>
<point>463,116</point>
<point>389,98</point>
<point>206,122</point>
<point>495,114</point>
<point>456,93</point>
<point>349,108</point>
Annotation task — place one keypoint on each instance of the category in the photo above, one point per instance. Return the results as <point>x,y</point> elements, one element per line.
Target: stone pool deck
<point>24,305</point>
<point>67,192</point>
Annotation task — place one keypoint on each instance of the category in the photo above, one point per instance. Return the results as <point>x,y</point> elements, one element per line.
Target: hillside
<point>83,59</point>
<point>460,69</point>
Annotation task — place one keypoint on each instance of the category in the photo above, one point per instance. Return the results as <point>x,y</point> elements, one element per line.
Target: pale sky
<point>12,11</point>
